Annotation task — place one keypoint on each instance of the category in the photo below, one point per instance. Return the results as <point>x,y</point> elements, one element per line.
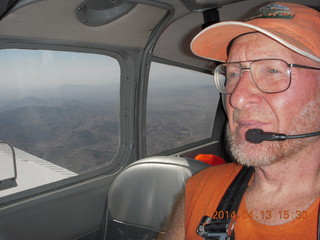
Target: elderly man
<point>270,81</point>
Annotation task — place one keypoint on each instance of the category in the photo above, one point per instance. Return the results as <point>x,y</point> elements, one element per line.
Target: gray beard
<point>267,153</point>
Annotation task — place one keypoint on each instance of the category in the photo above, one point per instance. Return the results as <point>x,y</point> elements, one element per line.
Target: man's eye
<point>273,70</point>
<point>233,74</point>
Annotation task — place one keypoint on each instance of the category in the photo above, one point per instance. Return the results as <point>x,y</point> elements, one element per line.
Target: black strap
<point>220,227</point>
<point>233,196</point>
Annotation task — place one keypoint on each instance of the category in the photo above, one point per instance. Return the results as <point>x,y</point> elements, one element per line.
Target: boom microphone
<point>257,135</point>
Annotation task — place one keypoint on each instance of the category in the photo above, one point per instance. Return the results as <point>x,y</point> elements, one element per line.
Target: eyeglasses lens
<point>269,75</point>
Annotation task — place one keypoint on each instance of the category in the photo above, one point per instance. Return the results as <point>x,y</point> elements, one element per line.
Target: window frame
<point>125,153</point>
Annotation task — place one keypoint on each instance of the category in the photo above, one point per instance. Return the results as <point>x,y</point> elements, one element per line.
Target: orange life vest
<point>204,192</point>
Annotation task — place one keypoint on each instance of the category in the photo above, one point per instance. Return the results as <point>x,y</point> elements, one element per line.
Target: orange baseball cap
<point>295,26</point>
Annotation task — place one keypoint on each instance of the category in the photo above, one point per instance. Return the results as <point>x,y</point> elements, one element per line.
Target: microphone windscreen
<point>255,135</point>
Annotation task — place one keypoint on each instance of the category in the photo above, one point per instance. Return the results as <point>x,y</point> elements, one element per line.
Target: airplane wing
<point>32,171</point>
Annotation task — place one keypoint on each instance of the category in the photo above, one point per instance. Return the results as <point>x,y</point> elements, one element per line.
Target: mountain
<point>73,134</point>
<point>79,129</point>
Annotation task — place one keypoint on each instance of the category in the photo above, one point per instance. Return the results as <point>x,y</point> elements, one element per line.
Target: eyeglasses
<point>269,75</point>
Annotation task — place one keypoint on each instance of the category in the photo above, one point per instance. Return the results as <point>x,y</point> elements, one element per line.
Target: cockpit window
<point>180,109</point>
<point>60,108</point>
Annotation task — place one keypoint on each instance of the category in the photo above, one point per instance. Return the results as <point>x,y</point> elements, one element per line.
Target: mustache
<point>256,114</point>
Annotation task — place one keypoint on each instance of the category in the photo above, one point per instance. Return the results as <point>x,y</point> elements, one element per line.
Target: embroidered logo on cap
<point>272,10</point>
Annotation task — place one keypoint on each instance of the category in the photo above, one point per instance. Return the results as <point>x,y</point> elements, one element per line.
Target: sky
<point>23,71</point>
<point>162,75</point>
<point>30,67</point>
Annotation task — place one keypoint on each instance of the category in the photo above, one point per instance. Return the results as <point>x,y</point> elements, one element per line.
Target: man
<point>271,81</point>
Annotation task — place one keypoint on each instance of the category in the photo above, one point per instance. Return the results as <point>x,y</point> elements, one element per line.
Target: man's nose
<point>245,92</point>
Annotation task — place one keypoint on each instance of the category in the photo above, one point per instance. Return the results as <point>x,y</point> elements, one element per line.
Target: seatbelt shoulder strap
<point>221,227</point>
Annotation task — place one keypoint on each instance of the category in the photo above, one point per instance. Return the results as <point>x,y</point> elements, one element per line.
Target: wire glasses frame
<point>268,75</point>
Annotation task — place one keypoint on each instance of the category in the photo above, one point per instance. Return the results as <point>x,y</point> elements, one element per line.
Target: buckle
<point>205,220</point>
<point>216,229</point>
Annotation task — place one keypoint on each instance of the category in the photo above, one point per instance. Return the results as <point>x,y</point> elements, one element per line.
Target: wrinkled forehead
<point>255,45</point>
